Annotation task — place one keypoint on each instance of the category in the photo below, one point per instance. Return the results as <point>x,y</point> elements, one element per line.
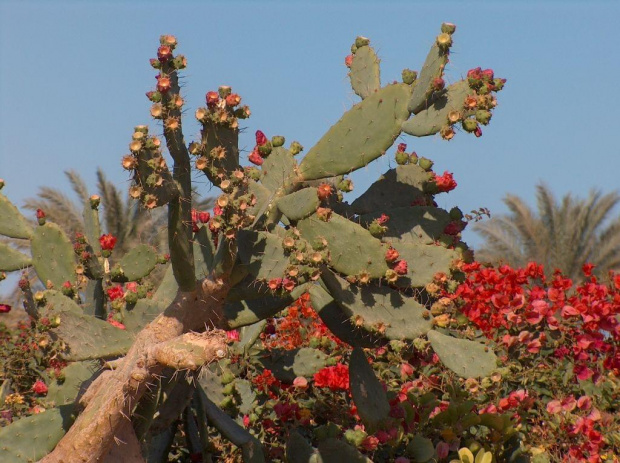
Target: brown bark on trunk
<point>109,409</point>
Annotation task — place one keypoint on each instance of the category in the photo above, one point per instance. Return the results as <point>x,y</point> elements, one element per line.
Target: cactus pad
<point>262,254</point>
<point>368,393</point>
<point>427,260</point>
<point>11,259</point>
<point>352,248</point>
<point>363,134</point>
<point>52,255</point>
<point>468,359</point>
<point>413,224</point>
<point>379,309</point>
<point>86,337</point>
<point>433,67</point>
<point>430,120</point>
<point>138,262</point>
<point>13,223</point>
<point>277,168</point>
<point>397,187</point>
<point>299,205</point>
<point>286,365</point>
<point>364,74</point>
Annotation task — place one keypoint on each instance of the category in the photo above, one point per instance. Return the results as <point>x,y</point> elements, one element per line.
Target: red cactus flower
<point>383,219</point>
<point>5,308</point>
<point>116,324</point>
<point>233,100</point>
<point>401,147</point>
<point>255,157</point>
<point>348,60</point>
<point>445,182</point>
<point>478,132</point>
<point>233,335</point>
<point>391,255</point>
<point>487,74</point>
<point>39,387</point>
<point>163,83</point>
<point>40,214</point>
<point>261,139</point>
<point>401,267</point>
<point>164,53</point>
<point>115,292</point>
<point>107,242</point>
<point>324,190</point>
<point>203,217</point>
<point>212,98</point>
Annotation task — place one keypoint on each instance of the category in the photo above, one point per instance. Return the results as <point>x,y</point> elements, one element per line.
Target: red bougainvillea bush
<point>554,398</point>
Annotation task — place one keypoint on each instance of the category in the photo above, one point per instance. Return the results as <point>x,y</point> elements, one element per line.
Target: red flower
<point>383,219</point>
<point>255,157</point>
<point>261,139</point>
<point>163,83</point>
<point>233,335</point>
<point>233,100</point>
<point>212,98</point>
<point>164,53</point>
<point>336,377</point>
<point>348,60</point>
<point>401,147</point>
<point>39,387</point>
<point>401,267</point>
<point>115,292</point>
<point>445,182</point>
<point>40,214</point>
<point>391,255</point>
<point>5,308</point>
<point>107,242</point>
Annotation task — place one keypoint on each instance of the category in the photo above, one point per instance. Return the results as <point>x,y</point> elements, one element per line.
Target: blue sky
<point>74,74</point>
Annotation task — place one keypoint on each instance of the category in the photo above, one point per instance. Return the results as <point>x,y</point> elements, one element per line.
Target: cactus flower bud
<point>39,387</point>
<point>361,42</point>
<point>346,185</point>
<point>391,276</point>
<point>277,141</point>
<point>155,97</point>
<point>296,148</point>
<point>470,125</point>
<point>324,191</point>
<point>448,28</point>
<point>265,150</point>
<point>180,62</point>
<point>444,41</point>
<point>169,40</point>
<point>155,63</point>
<point>224,91</point>
<point>426,164</point>
<point>376,229</point>
<point>478,132</point>
<point>40,217</point>
<point>212,98</point>
<point>5,308</point>
<point>324,213</point>
<point>447,132</point>
<point>348,60</point>
<point>409,76</point>
<point>402,158</point>
<point>483,116</point>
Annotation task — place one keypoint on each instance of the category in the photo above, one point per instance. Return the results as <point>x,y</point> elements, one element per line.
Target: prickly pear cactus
<point>279,228</point>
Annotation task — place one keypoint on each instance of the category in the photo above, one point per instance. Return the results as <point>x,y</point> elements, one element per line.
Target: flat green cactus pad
<point>468,359</point>
<point>412,224</point>
<point>352,248</point>
<point>262,254</point>
<point>52,255</point>
<point>396,188</point>
<point>286,365</point>
<point>277,168</point>
<point>138,262</point>
<point>368,393</point>
<point>13,224</point>
<point>433,67</point>
<point>86,337</point>
<point>92,227</point>
<point>363,134</point>
<point>11,259</point>
<point>379,309</point>
<point>432,119</point>
<point>364,74</point>
<point>300,204</point>
<point>424,262</point>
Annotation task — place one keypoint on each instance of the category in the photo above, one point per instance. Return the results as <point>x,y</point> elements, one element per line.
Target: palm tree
<point>562,235</point>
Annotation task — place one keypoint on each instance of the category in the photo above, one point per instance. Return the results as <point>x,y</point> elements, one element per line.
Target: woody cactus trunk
<point>279,230</point>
